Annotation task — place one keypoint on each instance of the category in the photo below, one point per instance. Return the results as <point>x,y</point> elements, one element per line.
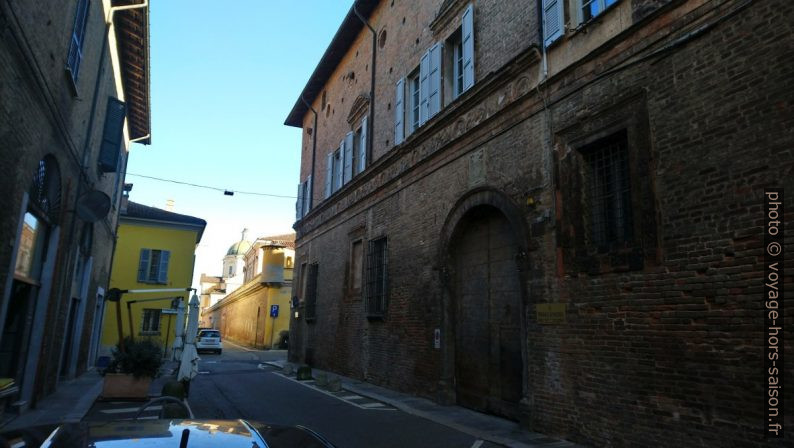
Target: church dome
<point>240,247</point>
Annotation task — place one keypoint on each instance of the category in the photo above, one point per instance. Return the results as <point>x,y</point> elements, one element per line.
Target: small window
<point>609,192</point>
<point>75,56</point>
<point>151,321</point>
<point>453,63</point>
<point>377,278</point>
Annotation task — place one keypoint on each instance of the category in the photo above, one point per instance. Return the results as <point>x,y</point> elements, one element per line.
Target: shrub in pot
<point>130,372</point>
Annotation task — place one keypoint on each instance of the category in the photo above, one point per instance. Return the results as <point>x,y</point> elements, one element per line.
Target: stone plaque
<point>476,168</point>
<point>550,313</point>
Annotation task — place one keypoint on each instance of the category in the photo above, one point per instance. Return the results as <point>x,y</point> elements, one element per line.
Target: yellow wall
<point>236,314</point>
<point>132,238</point>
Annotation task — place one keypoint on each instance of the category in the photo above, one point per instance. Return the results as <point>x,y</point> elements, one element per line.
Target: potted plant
<point>131,371</point>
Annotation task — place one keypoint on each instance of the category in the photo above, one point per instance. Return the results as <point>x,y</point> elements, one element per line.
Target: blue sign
<point>273,310</point>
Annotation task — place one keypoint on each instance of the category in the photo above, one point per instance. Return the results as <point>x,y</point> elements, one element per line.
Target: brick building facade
<point>75,95</point>
<point>568,231</point>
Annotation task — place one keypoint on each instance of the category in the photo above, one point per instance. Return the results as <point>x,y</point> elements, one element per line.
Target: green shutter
<point>110,150</point>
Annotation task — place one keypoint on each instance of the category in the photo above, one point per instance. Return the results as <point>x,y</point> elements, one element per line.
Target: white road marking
<point>352,397</point>
<point>477,444</point>
<point>240,346</point>
<point>303,383</point>
<point>123,410</point>
<point>372,405</point>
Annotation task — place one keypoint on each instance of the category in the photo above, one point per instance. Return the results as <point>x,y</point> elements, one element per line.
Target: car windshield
<point>209,334</point>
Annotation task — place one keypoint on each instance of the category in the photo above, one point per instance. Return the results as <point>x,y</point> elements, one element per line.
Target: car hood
<point>168,433</point>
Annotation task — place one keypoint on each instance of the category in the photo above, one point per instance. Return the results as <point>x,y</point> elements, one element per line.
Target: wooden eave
<point>132,34</point>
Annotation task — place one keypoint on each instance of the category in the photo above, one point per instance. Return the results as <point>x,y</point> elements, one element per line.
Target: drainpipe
<point>371,131</point>
<point>314,150</point>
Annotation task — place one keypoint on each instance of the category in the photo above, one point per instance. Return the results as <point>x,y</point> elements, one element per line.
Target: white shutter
<point>299,203</point>
<point>553,25</point>
<point>347,154</point>
<point>399,112</point>
<point>362,152</point>
<point>424,87</point>
<point>329,174</point>
<point>467,31</point>
<point>307,197</point>
<point>434,94</point>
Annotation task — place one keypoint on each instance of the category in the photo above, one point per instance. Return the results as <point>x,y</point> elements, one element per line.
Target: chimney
<point>125,197</point>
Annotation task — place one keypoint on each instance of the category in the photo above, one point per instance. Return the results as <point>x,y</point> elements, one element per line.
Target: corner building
<point>548,210</point>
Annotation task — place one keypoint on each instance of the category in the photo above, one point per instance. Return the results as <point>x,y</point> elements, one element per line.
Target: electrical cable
<point>223,190</point>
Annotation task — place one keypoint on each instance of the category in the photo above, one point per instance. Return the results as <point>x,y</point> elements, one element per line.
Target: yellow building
<point>155,251</point>
<point>257,313</point>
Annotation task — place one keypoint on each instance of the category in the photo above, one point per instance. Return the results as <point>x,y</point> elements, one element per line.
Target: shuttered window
<point>467,33</point>
<point>362,147</point>
<point>591,8</point>
<point>75,56</point>
<point>399,112</point>
<point>424,87</point>
<point>347,150</point>
<point>553,25</point>
<point>110,149</point>
<point>329,174</point>
<point>299,203</point>
<point>377,278</point>
<point>338,166</point>
<point>434,81</point>
<point>307,195</point>
<point>153,266</point>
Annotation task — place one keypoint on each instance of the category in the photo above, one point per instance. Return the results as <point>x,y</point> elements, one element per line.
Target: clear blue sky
<point>224,76</point>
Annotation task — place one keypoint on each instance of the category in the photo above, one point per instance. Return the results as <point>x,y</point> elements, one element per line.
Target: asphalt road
<point>237,384</point>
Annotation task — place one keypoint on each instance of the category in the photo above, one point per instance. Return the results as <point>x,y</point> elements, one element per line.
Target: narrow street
<point>237,384</point>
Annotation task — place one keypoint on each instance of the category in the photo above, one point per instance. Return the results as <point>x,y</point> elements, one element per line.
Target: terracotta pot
<point>121,385</point>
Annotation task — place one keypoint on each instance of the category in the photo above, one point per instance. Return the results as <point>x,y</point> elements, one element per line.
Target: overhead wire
<point>208,187</point>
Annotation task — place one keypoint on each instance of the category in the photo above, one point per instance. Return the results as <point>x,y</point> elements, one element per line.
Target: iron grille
<point>610,192</point>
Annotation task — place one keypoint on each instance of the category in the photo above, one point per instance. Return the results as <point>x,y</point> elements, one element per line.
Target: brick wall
<point>42,113</point>
<point>662,343</point>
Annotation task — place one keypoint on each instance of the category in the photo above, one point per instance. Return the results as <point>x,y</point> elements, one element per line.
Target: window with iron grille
<point>377,277</point>
<point>609,192</point>
<point>311,291</point>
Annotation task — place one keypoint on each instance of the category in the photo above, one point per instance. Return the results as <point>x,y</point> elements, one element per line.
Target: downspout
<point>314,150</point>
<point>371,131</point>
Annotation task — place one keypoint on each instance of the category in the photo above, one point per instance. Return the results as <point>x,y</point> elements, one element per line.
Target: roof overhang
<point>132,34</point>
<point>343,39</point>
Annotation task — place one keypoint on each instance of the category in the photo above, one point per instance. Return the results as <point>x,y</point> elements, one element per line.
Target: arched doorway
<point>487,313</point>
<point>483,272</point>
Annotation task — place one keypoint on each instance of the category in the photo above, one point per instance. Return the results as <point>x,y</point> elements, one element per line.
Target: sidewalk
<point>73,399</point>
<point>482,426</point>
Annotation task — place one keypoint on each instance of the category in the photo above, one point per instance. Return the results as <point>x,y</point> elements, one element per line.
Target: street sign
<point>273,310</point>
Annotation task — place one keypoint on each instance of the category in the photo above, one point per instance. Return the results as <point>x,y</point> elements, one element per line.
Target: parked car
<point>165,433</point>
<point>209,340</point>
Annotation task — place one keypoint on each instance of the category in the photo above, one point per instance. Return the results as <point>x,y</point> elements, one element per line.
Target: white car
<point>209,340</point>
